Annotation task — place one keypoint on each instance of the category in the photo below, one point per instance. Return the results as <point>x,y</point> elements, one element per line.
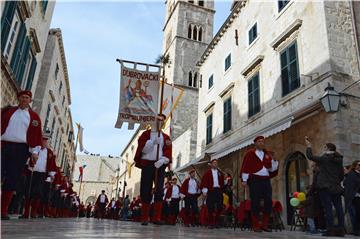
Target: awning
<point>266,132</point>
<point>199,160</point>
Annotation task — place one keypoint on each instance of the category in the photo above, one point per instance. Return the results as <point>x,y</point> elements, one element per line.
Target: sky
<point>95,34</point>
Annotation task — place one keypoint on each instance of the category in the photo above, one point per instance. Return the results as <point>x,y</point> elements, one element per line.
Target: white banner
<point>139,97</point>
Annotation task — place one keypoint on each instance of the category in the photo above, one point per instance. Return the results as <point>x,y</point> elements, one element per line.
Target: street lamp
<point>330,100</point>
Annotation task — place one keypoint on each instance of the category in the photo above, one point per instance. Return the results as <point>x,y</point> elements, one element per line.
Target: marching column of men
<point>28,165</point>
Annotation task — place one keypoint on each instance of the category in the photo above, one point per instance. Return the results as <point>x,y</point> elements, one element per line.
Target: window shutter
<point>31,74</point>
<point>6,20</point>
<point>23,60</point>
<point>18,46</point>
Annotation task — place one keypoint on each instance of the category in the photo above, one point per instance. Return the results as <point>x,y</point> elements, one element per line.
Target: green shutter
<point>23,60</point>
<point>44,6</point>
<point>18,47</point>
<point>31,73</point>
<point>6,20</point>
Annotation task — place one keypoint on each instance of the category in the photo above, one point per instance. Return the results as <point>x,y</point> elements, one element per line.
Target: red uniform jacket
<point>253,164</point>
<point>207,180</point>
<point>145,136</point>
<point>98,200</point>
<point>50,162</point>
<point>185,187</point>
<point>34,132</point>
<point>57,179</point>
<point>169,191</point>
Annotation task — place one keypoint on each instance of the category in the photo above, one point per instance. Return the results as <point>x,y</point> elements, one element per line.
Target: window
<point>52,127</point>
<point>190,78</point>
<point>195,33</point>
<point>20,55</point>
<point>282,4</point>
<point>190,1</point>
<point>209,122</point>
<point>200,34</point>
<point>201,3</point>
<point>254,95</point>
<point>290,77</point>
<point>63,101</point>
<point>189,32</point>
<point>44,6</point>
<point>31,74</point>
<point>9,48</point>
<point>7,22</point>
<point>47,117</point>
<point>56,71</point>
<point>211,81</point>
<point>253,33</point>
<point>228,62</point>
<point>227,115</point>
<point>60,86</point>
<point>195,80</point>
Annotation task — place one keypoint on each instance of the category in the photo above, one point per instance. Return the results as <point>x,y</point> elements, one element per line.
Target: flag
<point>171,98</point>
<point>81,170</point>
<point>80,137</point>
<point>139,94</point>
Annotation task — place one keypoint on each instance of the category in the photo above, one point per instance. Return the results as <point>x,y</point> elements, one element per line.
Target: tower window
<point>201,3</point>
<point>200,34</point>
<point>191,1</point>
<point>195,33</point>
<point>189,32</point>
<point>195,80</point>
<point>190,78</point>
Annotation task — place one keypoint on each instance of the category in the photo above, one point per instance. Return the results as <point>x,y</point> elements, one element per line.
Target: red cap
<point>25,92</point>
<point>258,138</point>
<point>212,160</point>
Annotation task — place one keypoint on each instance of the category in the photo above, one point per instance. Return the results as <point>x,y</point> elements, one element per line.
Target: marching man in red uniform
<point>211,186</point>
<point>172,198</point>
<point>146,160</point>
<point>256,171</point>
<point>20,139</point>
<point>36,174</point>
<point>190,191</point>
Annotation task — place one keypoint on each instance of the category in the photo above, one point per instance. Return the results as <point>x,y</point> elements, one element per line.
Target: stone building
<point>187,31</point>
<point>264,73</point>
<point>24,29</point>
<point>98,174</point>
<point>52,100</point>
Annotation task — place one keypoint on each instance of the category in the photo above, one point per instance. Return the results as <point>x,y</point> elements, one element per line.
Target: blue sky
<point>95,34</point>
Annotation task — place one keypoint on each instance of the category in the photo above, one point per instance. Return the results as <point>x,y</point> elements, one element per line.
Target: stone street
<point>93,228</point>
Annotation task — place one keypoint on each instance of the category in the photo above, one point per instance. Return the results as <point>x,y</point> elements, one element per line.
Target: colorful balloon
<point>296,194</point>
<point>301,196</point>
<point>294,202</point>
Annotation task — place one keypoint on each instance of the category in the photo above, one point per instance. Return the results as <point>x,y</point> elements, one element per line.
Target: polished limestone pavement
<point>93,228</point>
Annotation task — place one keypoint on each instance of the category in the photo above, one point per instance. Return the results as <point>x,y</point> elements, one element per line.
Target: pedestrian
<point>257,169</point>
<point>36,175</point>
<point>331,173</point>
<point>20,134</point>
<point>212,184</point>
<point>190,191</point>
<point>126,205</point>
<point>172,198</point>
<point>101,203</point>
<point>153,168</point>
<point>352,196</point>
<point>88,210</point>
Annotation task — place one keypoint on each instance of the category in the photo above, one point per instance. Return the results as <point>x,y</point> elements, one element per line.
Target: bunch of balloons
<point>297,198</point>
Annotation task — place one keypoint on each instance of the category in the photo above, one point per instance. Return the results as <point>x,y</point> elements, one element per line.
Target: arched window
<point>200,34</point>
<point>195,79</point>
<point>195,33</point>
<point>189,31</point>
<point>190,78</point>
<point>201,3</point>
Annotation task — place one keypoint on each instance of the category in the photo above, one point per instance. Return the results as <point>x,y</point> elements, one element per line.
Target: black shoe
<point>145,223</point>
<point>5,218</point>
<point>266,229</point>
<point>23,217</point>
<point>339,232</point>
<point>159,223</point>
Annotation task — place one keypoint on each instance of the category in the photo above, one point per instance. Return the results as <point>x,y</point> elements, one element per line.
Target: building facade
<point>24,29</point>
<point>99,174</point>
<point>264,73</point>
<point>187,31</point>
<point>52,100</point>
